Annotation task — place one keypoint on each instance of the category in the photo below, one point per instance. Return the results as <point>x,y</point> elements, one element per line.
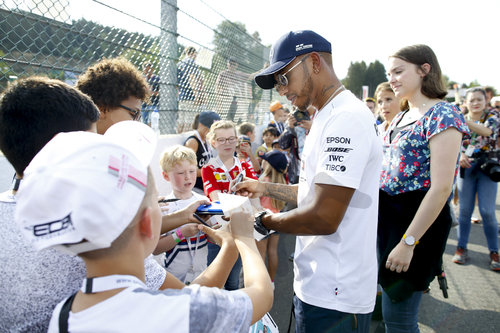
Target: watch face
<point>409,240</point>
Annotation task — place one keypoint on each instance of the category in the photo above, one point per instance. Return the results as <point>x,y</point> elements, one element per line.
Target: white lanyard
<point>193,253</point>
<point>223,167</point>
<point>109,282</point>
<point>203,144</point>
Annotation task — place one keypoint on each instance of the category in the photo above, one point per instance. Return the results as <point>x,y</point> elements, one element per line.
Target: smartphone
<point>213,209</point>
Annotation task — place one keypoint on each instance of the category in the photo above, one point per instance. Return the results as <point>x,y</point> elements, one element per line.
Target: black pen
<point>168,200</point>
<point>196,216</point>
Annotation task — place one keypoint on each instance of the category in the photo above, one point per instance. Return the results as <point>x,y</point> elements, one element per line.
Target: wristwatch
<point>409,240</point>
<point>261,229</point>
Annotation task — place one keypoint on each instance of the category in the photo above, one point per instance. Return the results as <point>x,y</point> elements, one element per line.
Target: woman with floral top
<point>414,216</point>
<point>483,123</point>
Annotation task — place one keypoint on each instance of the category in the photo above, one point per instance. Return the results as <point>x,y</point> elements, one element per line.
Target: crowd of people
<point>88,241</point>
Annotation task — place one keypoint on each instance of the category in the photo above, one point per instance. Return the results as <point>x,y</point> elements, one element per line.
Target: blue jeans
<point>401,317</point>
<point>310,318</point>
<point>233,280</point>
<point>475,181</point>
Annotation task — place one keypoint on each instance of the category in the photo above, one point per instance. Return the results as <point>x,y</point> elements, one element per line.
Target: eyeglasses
<point>231,139</point>
<point>282,80</point>
<point>497,107</point>
<point>134,113</point>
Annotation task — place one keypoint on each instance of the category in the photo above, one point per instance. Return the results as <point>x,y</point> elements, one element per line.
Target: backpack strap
<point>64,314</point>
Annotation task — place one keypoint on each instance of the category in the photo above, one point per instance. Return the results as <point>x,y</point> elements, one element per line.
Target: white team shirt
<point>188,259</point>
<point>135,309</point>
<point>339,271</point>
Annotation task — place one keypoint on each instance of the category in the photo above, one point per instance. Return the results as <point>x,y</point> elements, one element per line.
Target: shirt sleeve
<point>249,171</point>
<point>344,150</point>
<point>209,181</point>
<point>155,274</point>
<point>230,311</point>
<point>443,117</point>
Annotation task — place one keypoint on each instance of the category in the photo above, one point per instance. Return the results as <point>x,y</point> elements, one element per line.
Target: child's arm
<point>257,282</point>
<point>247,149</point>
<point>167,242</point>
<point>180,217</point>
<point>215,275</point>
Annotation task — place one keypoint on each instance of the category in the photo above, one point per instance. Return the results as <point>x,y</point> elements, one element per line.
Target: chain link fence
<point>204,61</point>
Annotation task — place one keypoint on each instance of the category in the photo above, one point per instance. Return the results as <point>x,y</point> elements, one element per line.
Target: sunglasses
<point>134,113</point>
<point>282,80</point>
<point>497,107</point>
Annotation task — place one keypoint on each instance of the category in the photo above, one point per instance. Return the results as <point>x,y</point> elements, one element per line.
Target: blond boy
<point>185,247</point>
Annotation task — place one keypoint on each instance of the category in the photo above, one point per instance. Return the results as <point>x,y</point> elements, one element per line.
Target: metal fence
<point>61,38</point>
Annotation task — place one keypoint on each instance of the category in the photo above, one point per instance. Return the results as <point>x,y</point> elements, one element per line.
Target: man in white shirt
<point>335,264</point>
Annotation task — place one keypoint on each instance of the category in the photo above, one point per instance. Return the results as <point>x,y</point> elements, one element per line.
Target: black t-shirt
<point>202,157</point>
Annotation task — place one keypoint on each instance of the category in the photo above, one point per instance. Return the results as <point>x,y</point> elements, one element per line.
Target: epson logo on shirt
<point>48,229</point>
<point>338,139</point>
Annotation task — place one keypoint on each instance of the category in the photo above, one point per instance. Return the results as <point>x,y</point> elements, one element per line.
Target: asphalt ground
<point>473,305</point>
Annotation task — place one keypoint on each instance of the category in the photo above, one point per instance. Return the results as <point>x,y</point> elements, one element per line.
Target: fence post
<point>168,67</point>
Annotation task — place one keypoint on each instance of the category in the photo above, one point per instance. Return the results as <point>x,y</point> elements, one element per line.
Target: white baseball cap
<point>82,190</point>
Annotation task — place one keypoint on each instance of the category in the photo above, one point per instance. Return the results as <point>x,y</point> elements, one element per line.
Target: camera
<point>300,115</point>
<point>489,164</point>
<point>492,169</point>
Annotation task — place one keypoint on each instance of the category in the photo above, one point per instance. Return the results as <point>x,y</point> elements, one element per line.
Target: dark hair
<point>111,81</point>
<point>432,84</point>
<point>272,130</point>
<point>196,121</point>
<point>475,89</point>
<point>244,128</point>
<point>33,110</point>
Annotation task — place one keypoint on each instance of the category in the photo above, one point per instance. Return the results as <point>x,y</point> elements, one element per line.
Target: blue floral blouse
<point>406,164</point>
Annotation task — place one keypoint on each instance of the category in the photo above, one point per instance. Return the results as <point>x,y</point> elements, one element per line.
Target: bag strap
<point>64,314</point>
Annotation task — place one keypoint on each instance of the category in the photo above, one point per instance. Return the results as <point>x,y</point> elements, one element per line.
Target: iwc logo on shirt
<point>336,159</point>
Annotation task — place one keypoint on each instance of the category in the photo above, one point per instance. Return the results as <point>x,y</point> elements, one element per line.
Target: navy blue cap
<point>207,118</point>
<point>277,159</point>
<point>287,48</point>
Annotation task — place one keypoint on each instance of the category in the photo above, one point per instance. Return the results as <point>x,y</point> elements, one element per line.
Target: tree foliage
<point>359,75</point>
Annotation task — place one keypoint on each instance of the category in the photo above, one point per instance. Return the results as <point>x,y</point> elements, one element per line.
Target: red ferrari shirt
<point>216,176</point>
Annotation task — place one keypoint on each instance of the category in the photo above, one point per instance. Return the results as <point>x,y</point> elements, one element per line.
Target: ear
<point>165,176</point>
<point>316,62</point>
<point>102,112</point>
<point>146,223</point>
<point>425,69</point>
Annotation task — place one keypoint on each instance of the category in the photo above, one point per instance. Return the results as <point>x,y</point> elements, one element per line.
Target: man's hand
<point>248,188</point>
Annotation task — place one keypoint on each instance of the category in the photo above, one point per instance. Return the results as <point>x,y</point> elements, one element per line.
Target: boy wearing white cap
<point>94,196</point>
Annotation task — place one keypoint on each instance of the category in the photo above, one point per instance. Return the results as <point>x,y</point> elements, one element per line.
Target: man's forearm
<point>287,193</point>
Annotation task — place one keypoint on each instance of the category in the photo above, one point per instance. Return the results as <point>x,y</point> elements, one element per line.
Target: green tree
<point>375,74</point>
<point>359,75</point>
<point>355,77</point>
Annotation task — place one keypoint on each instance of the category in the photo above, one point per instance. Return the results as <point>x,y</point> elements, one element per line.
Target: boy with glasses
<point>118,89</point>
